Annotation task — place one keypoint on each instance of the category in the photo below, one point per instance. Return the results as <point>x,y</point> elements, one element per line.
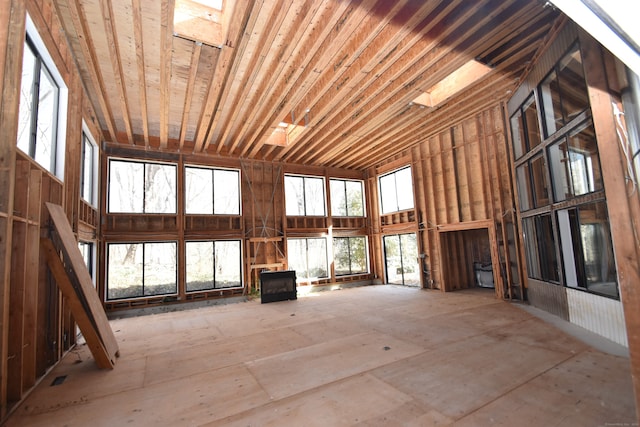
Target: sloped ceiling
<point>344,72</point>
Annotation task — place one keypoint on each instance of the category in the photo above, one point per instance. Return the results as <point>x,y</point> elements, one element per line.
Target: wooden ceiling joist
<point>344,73</point>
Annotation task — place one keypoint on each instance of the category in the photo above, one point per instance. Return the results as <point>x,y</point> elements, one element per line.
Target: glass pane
<point>228,271</point>
<point>198,191</point>
<point>314,196</point>
<point>317,258</point>
<point>531,248</point>
<point>560,170</point>
<point>226,188</point>
<point>47,121</point>
<point>517,134</point>
<point>125,186</point>
<point>410,267</point>
<point>355,198</point>
<point>575,98</point>
<point>160,188</point>
<point>547,248</point>
<point>341,256</point>
<point>539,175</point>
<point>160,268</point>
<point>359,255</point>
<point>124,270</point>
<point>584,160</point>
<point>392,259</point>
<point>26,99</point>
<point>551,107</point>
<point>599,261</point>
<point>294,195</point>
<point>531,120</point>
<point>297,257</point>
<point>404,189</point>
<point>338,197</point>
<point>525,193</point>
<point>87,170</point>
<point>388,198</point>
<point>199,266</point>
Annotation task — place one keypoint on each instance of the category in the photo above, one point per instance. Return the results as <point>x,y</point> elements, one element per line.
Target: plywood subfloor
<point>370,356</point>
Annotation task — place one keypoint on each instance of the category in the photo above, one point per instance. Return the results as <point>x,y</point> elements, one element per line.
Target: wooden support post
<point>623,204</point>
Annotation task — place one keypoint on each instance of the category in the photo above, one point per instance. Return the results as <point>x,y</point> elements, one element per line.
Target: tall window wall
<point>43,105</point>
<point>559,182</point>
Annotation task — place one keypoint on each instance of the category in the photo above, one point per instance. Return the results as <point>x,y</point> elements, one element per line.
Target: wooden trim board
<point>75,282</point>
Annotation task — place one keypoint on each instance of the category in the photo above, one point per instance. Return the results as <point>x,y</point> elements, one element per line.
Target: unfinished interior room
<point>319,212</point>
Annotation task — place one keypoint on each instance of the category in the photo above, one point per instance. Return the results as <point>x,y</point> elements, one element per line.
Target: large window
<point>212,191</point>
<point>137,187</point>
<point>87,249</point>
<point>42,110</point>
<point>89,170</point>
<point>563,92</point>
<point>540,247</point>
<point>347,198</point>
<point>396,191</point>
<point>587,249</point>
<point>575,165</point>
<point>304,195</point>
<point>308,257</point>
<point>350,255</point>
<point>141,269</point>
<point>401,259</point>
<point>566,234</point>
<point>213,265</point>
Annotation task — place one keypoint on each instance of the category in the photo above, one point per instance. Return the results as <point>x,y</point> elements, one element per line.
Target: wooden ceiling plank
<point>370,52</point>
<point>166,44</point>
<point>193,71</point>
<point>391,72</point>
<point>263,41</point>
<point>243,18</point>
<point>142,82</point>
<point>401,95</point>
<point>111,33</point>
<point>307,65</point>
<point>88,56</point>
<point>380,89</point>
<point>290,42</point>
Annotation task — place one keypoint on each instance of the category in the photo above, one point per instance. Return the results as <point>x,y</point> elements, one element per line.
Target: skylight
<point>199,20</point>
<point>455,82</point>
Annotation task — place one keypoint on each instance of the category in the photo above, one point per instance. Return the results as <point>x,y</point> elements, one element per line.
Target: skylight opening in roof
<point>465,76</point>
<point>214,4</point>
<point>199,20</point>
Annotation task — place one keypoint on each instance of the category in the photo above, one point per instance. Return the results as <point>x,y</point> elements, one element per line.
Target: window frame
<point>213,190</point>
<point>305,279</point>
<point>214,266</point>
<point>398,208</point>
<point>366,253</point>
<point>304,195</point>
<point>145,163</point>
<point>93,188</point>
<point>346,199</point>
<point>45,63</point>
<point>142,295</point>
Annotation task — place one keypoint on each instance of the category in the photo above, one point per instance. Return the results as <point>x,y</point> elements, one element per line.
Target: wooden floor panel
<point>370,356</point>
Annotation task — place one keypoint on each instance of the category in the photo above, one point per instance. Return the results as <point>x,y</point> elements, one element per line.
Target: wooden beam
<point>90,60</point>
<point>12,31</point>
<point>193,71</point>
<point>142,82</point>
<point>623,204</point>
<point>111,33</point>
<point>166,44</point>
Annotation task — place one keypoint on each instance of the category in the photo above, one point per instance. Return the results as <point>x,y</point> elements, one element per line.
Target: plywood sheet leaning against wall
<point>74,281</point>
